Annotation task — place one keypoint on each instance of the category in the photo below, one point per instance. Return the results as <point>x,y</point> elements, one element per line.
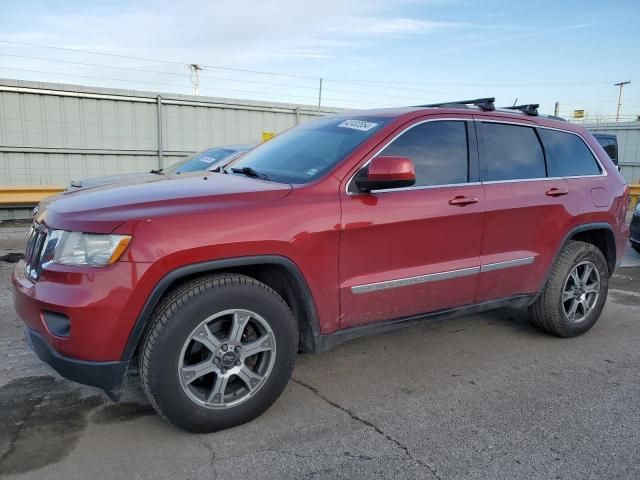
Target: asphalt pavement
<point>483,396</point>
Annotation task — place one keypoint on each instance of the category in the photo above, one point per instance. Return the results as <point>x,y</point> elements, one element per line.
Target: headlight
<point>75,248</point>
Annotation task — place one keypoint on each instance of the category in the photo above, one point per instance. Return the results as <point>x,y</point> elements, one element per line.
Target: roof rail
<point>527,109</point>
<point>482,103</point>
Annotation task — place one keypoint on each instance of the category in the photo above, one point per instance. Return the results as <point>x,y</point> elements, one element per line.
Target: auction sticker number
<point>362,125</point>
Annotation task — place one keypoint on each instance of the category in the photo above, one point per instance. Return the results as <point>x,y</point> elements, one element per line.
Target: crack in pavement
<point>369,424</point>
<point>212,458</point>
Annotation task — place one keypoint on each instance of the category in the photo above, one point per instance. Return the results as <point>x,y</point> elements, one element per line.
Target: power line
<point>144,82</point>
<point>258,82</point>
<point>372,84</point>
<point>380,83</point>
<point>146,59</point>
<point>94,77</point>
<point>144,70</point>
<point>133,69</point>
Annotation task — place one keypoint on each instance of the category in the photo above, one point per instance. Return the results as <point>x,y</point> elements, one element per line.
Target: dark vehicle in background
<point>634,236</point>
<point>206,160</point>
<point>609,143</point>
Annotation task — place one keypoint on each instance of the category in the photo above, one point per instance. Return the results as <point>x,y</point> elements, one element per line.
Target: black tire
<point>548,313</point>
<point>636,247</point>
<point>174,320</point>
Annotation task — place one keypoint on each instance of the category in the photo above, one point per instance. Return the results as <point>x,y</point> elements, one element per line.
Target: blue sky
<point>370,52</point>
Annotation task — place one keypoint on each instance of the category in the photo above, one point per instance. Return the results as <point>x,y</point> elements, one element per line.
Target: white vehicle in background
<point>206,160</point>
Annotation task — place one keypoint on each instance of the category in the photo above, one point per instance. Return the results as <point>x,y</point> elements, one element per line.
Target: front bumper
<point>105,375</point>
<point>100,307</point>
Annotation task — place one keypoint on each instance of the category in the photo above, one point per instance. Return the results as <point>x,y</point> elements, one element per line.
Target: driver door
<point>412,250</point>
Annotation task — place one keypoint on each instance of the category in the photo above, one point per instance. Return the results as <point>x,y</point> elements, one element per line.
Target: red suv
<point>348,225</point>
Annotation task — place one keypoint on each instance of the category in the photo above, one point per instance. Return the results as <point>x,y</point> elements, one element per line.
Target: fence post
<point>298,115</point>
<point>160,141</point>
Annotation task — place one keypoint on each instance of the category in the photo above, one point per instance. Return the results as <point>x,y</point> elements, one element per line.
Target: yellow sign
<point>578,114</point>
<point>267,136</point>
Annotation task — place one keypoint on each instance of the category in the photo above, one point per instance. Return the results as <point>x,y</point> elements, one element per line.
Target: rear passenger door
<point>527,209</point>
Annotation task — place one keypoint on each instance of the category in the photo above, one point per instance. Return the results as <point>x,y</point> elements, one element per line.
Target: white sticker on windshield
<point>361,125</point>
<point>207,159</point>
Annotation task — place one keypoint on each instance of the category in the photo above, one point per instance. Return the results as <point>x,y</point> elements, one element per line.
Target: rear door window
<point>569,153</point>
<point>510,152</point>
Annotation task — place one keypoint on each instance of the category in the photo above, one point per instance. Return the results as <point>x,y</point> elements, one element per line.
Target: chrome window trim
<point>436,277</point>
<point>479,120</point>
<point>439,119</point>
<point>533,125</point>
<point>424,187</point>
<point>539,179</point>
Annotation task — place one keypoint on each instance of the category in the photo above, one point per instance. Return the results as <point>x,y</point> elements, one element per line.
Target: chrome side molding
<point>436,277</point>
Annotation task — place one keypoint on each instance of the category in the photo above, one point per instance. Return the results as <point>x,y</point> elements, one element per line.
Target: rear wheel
<point>575,293</point>
<point>219,351</point>
<point>636,247</point>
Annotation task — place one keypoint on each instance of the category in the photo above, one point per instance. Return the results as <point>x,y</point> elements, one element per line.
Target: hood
<point>101,209</point>
<point>99,181</point>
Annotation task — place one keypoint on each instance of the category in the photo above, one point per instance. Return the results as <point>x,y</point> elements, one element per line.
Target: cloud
<point>515,37</point>
<point>393,26</point>
<point>222,31</point>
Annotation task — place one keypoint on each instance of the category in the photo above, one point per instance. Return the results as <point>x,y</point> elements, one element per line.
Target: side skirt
<point>330,340</point>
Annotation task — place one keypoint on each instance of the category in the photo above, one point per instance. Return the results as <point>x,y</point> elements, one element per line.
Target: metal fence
<point>51,133</point>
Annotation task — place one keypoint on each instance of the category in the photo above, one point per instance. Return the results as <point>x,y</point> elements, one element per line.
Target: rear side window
<point>439,152</point>
<point>511,152</point>
<point>569,153</point>
<point>610,146</point>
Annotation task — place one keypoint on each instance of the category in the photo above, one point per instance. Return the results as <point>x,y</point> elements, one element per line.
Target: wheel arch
<point>279,272</point>
<point>599,234</point>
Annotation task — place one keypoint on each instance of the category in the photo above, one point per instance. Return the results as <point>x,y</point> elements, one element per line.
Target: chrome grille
<point>33,253</point>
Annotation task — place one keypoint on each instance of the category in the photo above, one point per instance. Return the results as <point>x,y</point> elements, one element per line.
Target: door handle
<point>557,192</point>
<point>461,200</point>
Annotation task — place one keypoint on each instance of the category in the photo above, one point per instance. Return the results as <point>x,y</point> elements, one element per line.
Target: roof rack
<point>485,104</point>
<point>527,109</point>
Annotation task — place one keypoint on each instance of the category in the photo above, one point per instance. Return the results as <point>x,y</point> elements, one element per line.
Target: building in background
<point>53,133</point>
<point>628,135</point>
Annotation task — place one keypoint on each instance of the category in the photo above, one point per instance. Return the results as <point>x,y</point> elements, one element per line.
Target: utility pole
<point>195,77</point>
<point>556,110</point>
<point>620,85</point>
<point>320,95</point>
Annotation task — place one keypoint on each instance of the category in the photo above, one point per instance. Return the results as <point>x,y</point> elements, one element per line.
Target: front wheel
<point>575,293</point>
<point>218,353</point>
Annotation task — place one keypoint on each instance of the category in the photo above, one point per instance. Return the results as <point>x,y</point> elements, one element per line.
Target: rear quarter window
<point>569,154</point>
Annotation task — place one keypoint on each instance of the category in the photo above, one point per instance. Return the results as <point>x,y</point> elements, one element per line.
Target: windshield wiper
<point>250,172</point>
<point>157,172</point>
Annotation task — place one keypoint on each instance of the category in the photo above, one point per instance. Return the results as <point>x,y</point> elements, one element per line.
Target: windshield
<point>203,160</point>
<point>306,152</point>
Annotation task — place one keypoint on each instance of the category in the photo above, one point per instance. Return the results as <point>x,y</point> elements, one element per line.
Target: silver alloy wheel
<point>227,359</point>
<point>581,291</point>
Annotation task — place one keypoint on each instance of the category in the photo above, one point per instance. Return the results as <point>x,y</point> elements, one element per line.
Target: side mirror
<point>386,172</point>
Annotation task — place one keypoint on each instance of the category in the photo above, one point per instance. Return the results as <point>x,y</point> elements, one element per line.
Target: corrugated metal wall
<point>51,133</point>
<point>628,134</point>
